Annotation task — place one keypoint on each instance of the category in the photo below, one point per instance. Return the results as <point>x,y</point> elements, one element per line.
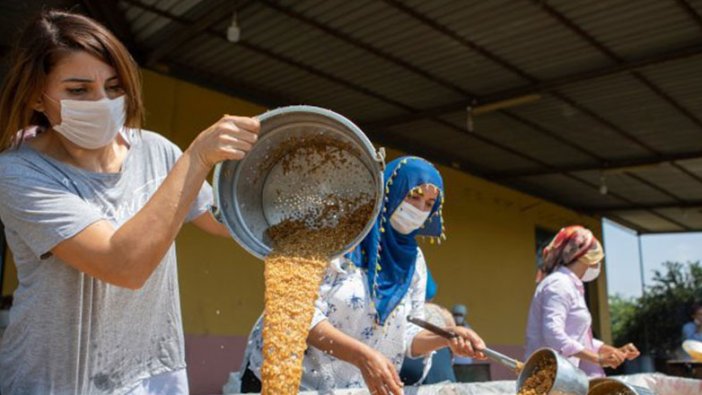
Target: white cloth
<point>344,300</point>
<point>171,383</point>
<point>659,383</point>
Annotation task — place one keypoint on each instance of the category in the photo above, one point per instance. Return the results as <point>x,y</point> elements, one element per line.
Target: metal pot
<point>255,193</point>
<point>609,385</point>
<point>569,379</point>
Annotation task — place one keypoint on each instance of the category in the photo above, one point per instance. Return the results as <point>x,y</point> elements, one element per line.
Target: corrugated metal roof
<point>504,130</point>
<point>622,184</point>
<point>568,188</point>
<point>691,217</point>
<point>633,107</point>
<point>578,127</point>
<point>651,220</point>
<point>518,32</point>
<point>409,40</point>
<point>672,179</point>
<point>633,28</point>
<point>406,70</point>
<point>682,80</point>
<point>145,23</point>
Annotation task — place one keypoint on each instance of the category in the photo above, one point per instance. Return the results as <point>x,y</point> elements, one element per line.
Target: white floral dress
<point>345,301</point>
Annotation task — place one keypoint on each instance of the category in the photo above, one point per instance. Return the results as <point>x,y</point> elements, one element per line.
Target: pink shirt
<point>559,319</point>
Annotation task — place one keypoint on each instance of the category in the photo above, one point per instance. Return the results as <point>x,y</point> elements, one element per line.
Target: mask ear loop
<point>58,104</point>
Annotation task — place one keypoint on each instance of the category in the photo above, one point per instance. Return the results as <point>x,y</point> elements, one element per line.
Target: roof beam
<point>690,204</point>
<point>445,158</point>
<point>636,74</point>
<point>687,8</point>
<point>630,203</point>
<point>154,10</point>
<point>363,90</point>
<point>408,66</point>
<point>680,201</point>
<point>366,47</point>
<point>404,8</point>
<point>610,166</point>
<point>289,61</point>
<point>544,86</point>
<point>575,28</point>
<point>414,148</point>
<point>628,224</point>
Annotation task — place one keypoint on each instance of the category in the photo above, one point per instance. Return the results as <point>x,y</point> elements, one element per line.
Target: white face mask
<point>591,273</point>
<point>407,218</point>
<point>91,124</point>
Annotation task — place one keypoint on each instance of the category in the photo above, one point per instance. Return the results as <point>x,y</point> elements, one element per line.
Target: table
<point>660,383</point>
<point>689,369</point>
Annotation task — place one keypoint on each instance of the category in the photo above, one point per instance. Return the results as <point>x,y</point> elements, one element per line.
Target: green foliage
<point>654,321</point>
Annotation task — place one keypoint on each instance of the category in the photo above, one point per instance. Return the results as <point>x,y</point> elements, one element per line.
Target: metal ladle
<point>569,379</point>
<point>498,357</point>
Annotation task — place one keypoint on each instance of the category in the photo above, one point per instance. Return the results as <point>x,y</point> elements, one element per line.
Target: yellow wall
<point>487,261</point>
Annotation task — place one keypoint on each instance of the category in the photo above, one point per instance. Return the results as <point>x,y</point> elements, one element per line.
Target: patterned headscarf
<point>389,256</point>
<point>570,244</point>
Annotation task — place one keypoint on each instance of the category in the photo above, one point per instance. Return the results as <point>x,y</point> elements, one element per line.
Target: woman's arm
<point>425,342</point>
<point>607,356</point>
<point>555,310</point>
<point>208,223</point>
<point>128,255</point>
<point>378,372</point>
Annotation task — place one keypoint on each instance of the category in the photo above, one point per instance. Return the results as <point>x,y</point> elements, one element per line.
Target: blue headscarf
<point>389,256</point>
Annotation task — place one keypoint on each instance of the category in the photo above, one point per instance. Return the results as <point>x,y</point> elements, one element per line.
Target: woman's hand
<point>610,357</point>
<point>230,138</point>
<point>630,351</point>
<point>467,344</point>
<point>378,373</point>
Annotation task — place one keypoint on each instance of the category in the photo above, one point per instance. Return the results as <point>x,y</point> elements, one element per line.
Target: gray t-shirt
<point>70,333</point>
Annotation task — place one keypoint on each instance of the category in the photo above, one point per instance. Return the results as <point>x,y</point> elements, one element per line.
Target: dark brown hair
<point>51,36</point>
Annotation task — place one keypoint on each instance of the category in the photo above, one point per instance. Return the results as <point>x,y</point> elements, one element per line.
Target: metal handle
<point>503,360</point>
<point>380,157</point>
<point>432,328</point>
<point>500,358</point>
<point>217,214</point>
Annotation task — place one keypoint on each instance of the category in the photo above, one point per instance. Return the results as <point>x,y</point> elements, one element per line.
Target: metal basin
<point>274,182</point>
<point>569,379</point>
<point>613,386</point>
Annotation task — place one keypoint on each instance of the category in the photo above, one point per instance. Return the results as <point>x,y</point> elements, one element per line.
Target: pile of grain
<point>541,380</point>
<point>293,272</point>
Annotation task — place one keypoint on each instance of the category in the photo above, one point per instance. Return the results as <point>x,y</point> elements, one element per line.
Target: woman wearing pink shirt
<point>558,316</point>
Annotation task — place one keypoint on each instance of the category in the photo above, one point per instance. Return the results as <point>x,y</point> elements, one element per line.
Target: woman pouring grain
<point>360,333</point>
<point>558,316</point>
<point>91,208</point>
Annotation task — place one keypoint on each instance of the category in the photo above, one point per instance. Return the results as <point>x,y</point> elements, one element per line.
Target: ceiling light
<point>469,119</point>
<point>234,31</point>
<point>603,185</point>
